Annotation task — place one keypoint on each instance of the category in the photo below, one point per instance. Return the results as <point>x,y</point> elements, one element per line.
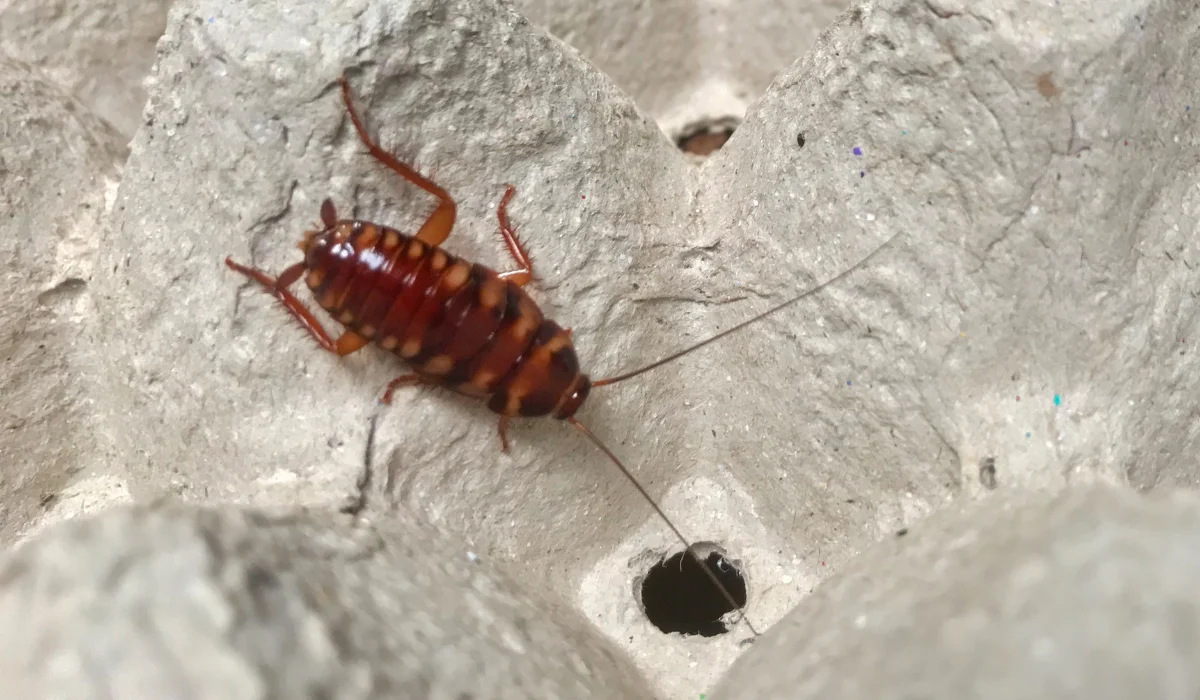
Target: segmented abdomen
<point>456,323</point>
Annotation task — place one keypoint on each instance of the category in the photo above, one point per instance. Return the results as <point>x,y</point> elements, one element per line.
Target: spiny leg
<point>437,227</point>
<point>346,343</point>
<point>522,276</point>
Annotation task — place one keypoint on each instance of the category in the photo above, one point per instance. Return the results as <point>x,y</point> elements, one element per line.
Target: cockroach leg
<point>349,342</point>
<point>502,428</point>
<point>437,227</point>
<point>401,381</point>
<point>278,289</point>
<point>521,276</point>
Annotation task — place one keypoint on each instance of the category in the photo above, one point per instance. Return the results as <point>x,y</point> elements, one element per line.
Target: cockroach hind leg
<point>437,227</point>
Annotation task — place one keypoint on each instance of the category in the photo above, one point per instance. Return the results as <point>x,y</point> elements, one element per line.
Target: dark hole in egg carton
<point>677,596</point>
<point>704,137</point>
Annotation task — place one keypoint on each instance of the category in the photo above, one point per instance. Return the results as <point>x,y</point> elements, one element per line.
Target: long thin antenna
<point>722,334</point>
<point>687,545</point>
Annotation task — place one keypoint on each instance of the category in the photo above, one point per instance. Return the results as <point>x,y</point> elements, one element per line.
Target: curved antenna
<point>687,545</point>
<point>743,324</point>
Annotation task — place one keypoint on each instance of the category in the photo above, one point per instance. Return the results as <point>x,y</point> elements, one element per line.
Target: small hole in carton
<point>702,138</point>
<point>678,596</point>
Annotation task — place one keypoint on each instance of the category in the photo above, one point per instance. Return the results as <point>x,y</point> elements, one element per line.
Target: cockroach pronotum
<point>458,325</point>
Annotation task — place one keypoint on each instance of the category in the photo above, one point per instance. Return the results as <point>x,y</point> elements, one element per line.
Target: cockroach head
<point>307,241</point>
<point>328,220</point>
<point>576,395</point>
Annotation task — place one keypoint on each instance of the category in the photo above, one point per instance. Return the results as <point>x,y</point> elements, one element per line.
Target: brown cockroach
<point>457,325</point>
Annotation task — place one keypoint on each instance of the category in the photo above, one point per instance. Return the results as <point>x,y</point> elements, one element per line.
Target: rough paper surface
<point>57,162</point>
<point>1090,594</point>
<point>1032,325</point>
<point>171,601</point>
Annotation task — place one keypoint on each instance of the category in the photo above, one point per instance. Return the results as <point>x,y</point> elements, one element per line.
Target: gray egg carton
<point>961,470</point>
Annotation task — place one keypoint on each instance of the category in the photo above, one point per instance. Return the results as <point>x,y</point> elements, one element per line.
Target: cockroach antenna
<point>692,348</point>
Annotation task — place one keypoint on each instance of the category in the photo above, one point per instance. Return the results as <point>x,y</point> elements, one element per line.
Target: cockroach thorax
<point>329,222</point>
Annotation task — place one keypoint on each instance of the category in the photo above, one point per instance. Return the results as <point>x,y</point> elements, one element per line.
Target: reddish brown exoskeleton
<point>456,324</point>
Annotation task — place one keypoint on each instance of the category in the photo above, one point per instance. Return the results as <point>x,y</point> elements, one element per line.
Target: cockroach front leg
<point>345,344</point>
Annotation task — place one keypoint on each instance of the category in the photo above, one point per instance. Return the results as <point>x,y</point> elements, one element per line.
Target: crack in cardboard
<point>359,502</point>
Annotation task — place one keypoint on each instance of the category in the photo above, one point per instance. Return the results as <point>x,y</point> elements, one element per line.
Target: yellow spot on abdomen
<point>439,365</point>
<point>512,407</point>
<point>490,292</point>
<point>522,327</point>
<point>558,342</point>
<point>456,277</point>
<point>482,380</point>
<point>367,237</point>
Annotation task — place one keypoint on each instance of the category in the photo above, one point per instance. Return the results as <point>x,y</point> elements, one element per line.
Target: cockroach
<point>456,324</point>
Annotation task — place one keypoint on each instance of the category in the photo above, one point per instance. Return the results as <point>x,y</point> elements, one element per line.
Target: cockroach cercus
<point>457,324</point>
